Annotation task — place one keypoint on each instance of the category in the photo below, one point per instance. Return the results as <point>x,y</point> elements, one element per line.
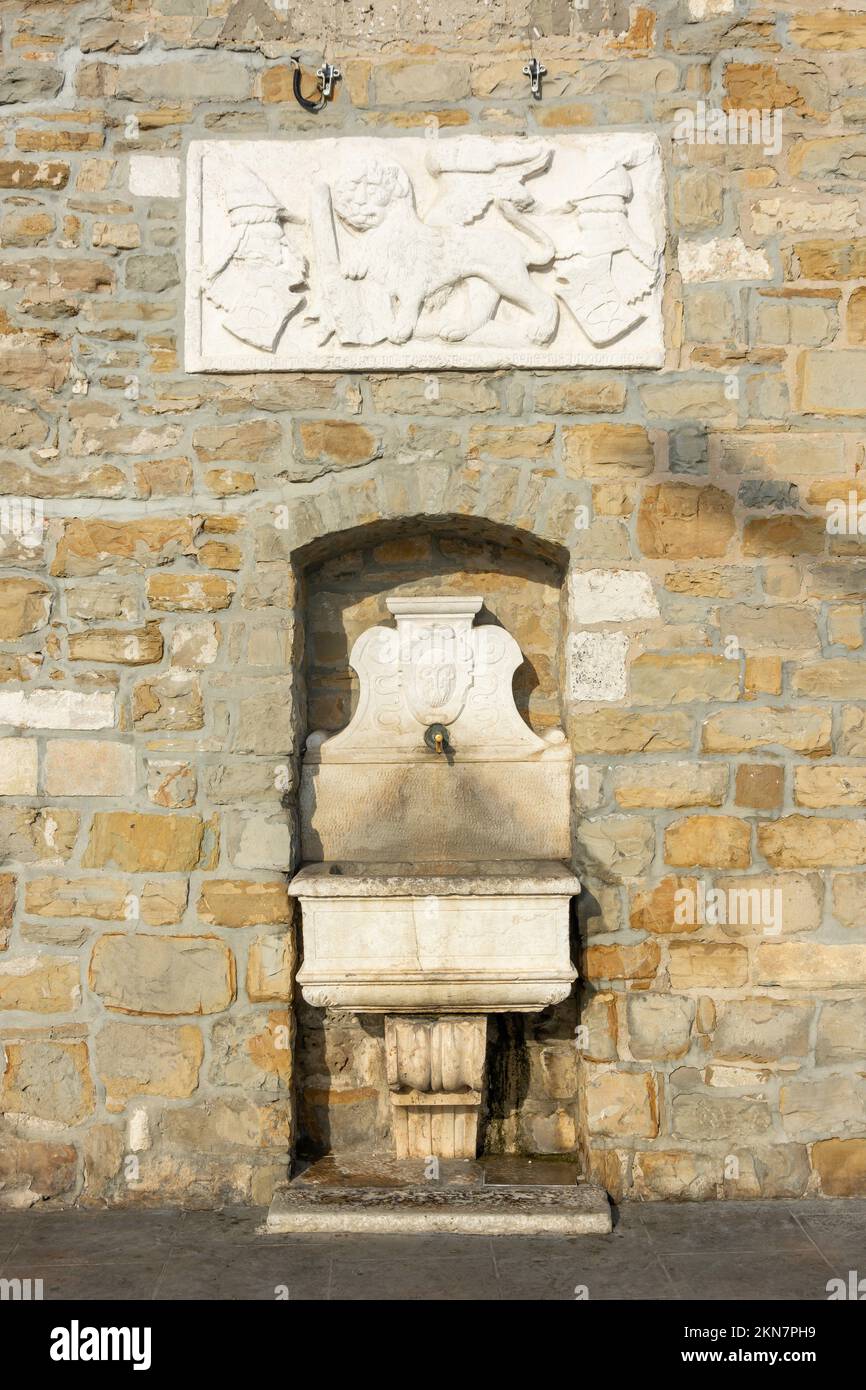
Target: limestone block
<point>25,605</point>
<point>659,1026</point>
<point>89,767</point>
<point>841,1035</point>
<point>621,1103</point>
<point>597,666</point>
<point>724,258</point>
<point>136,1059</point>
<point>40,984</point>
<point>841,1166</point>
<point>57,709</point>
<point>18,767</point>
<point>253,1051</point>
<point>761,1030</point>
<point>141,843</point>
<point>154,176</point>
<point>611,596</point>
<point>145,974</point>
<point>47,1082</point>
<point>423,254</point>
<point>243,903</point>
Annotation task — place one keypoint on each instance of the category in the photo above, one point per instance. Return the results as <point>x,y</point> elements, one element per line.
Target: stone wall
<point>152,627</point>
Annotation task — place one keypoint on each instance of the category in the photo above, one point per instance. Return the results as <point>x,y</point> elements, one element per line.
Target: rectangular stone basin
<point>436,939</point>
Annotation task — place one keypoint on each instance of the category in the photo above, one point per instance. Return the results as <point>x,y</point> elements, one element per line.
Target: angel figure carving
<point>389,275</point>
<point>259,285</point>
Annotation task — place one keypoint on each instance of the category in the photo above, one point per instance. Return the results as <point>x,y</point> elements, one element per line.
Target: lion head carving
<point>363,199</point>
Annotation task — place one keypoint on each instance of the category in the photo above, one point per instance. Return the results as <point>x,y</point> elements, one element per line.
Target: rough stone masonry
<point>712,514</point>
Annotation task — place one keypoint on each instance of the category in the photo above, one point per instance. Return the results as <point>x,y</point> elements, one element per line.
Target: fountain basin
<point>436,939</point>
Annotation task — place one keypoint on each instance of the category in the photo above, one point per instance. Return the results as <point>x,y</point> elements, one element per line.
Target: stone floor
<point>755,1250</point>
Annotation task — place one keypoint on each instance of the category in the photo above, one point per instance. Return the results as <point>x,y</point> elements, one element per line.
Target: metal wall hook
<point>326,75</point>
<point>535,70</point>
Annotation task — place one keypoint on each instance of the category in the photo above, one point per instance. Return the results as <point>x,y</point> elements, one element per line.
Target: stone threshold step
<point>461,1210</point>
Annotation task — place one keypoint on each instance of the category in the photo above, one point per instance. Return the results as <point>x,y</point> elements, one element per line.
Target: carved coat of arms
<point>436,673</point>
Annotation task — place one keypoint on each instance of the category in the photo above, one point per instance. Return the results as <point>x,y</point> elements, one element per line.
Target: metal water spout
<point>436,738</point>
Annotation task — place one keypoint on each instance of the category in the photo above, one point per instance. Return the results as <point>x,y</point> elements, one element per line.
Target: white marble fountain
<point>434,833</point>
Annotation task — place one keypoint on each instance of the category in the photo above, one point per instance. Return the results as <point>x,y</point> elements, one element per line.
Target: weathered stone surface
<point>597,665</point>
<point>622,1103</point>
<point>172,701</point>
<point>720,842</point>
<point>271,968</point>
<point>30,82</point>
<point>189,593</point>
<point>48,1082</point>
<point>617,846</point>
<point>708,1117</point>
<point>834,1104</point>
<point>812,842</point>
<point>638,962</point>
<point>760,786</point>
<point>803,730</point>
<point>220,1125</point>
<point>761,1030</point>
<point>655,909</point>
<point>724,258</point>
<point>92,547</point>
<point>243,903</point>
<point>830,786</point>
<point>705,965</point>
<point>34,1170</point>
<point>659,1026</point>
<point>607,451</point>
<point>124,646</point>
<point>141,843</point>
<point>147,1059</point>
<point>25,605</point>
<point>18,766</point>
<point>611,596</point>
<point>809,965</point>
<point>841,1034</point>
<point>171,784</point>
<point>29,836</point>
<point>831,680</point>
<point>89,767</point>
<point>254,1051</point>
<point>57,709</point>
<point>679,521</point>
<point>621,731</point>
<point>104,899</point>
<point>672,784</point>
<point>162,975</point>
<point>666,678</point>
<point>841,1166</point>
<point>40,984</point>
<point>834,382</point>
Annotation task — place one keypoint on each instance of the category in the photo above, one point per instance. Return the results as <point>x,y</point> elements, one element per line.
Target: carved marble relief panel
<point>453,252</point>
